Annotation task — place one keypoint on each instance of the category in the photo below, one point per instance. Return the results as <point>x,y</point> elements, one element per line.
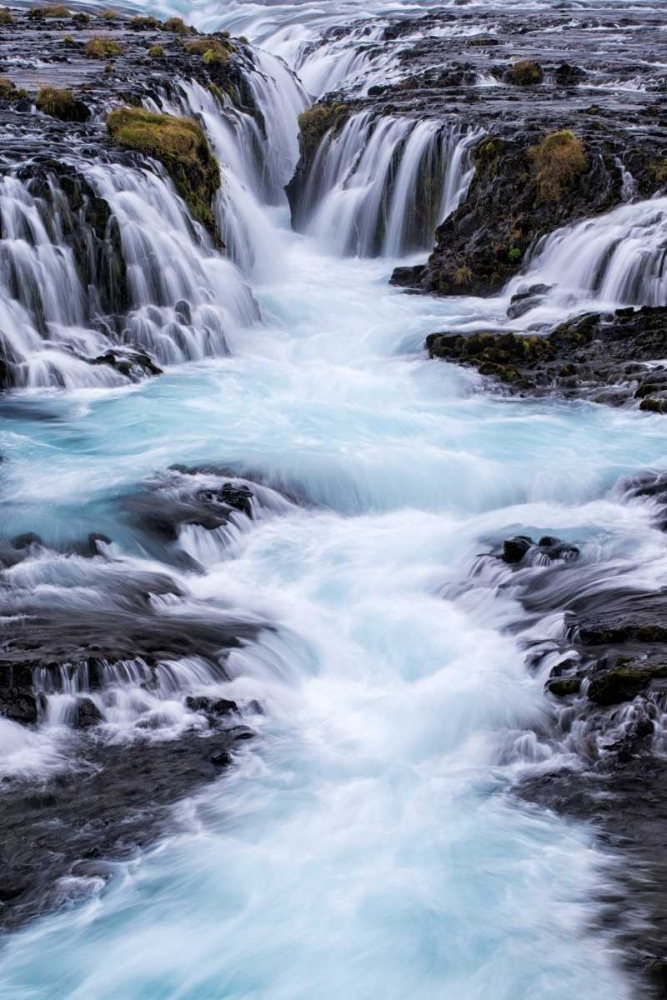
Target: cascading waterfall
<point>257,160</point>
<point>182,305</point>
<point>616,259</point>
<point>381,185</point>
<point>363,844</point>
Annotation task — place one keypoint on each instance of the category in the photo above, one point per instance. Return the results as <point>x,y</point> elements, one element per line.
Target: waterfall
<point>186,298</point>
<point>257,157</point>
<point>381,186</point>
<point>145,276</point>
<point>617,258</point>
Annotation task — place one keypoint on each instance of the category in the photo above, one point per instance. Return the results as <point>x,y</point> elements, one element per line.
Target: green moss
<point>215,57</point>
<point>140,23</point>
<point>653,405</point>
<point>317,121</point>
<point>526,73</point>
<point>562,687</point>
<point>487,155</point>
<point>243,40</point>
<point>218,93</point>
<point>109,14</point>
<point>624,681</point>
<point>214,51</point>
<point>156,52</point>
<point>9,91</point>
<point>102,48</point>
<point>514,255</point>
<point>659,171</point>
<point>177,25</point>
<point>6,16</point>
<point>57,11</point>
<point>560,159</point>
<point>181,146</point>
<point>60,104</point>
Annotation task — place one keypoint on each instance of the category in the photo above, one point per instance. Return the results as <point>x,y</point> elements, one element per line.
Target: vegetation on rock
<point>9,91</point>
<point>6,16</point>
<point>526,73</point>
<point>57,11</point>
<point>181,146</point>
<point>560,159</point>
<point>177,25</point>
<point>317,121</point>
<point>102,48</point>
<point>156,52</point>
<point>61,104</point>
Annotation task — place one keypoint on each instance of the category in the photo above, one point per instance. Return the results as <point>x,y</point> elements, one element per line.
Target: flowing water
<point>365,844</point>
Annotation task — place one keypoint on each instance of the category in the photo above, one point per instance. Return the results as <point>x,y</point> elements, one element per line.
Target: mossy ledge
<point>182,148</point>
<point>317,121</point>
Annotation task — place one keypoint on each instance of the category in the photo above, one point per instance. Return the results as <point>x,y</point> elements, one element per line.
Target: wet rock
<point>514,549</point>
<point>131,363</point>
<point>624,681</point>
<point>86,714</point>
<point>212,706</point>
<point>607,358</point>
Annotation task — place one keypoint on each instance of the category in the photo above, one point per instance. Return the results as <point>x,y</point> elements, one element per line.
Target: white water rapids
<point>365,844</point>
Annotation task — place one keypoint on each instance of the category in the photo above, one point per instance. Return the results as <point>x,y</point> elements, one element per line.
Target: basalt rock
<point>616,358</point>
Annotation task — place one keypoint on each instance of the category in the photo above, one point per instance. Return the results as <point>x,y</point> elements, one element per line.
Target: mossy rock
<point>650,405</point>
<point>102,48</point>
<point>624,681</point>
<point>526,73</point>
<point>36,13</point>
<point>177,26</point>
<point>317,121</point>
<point>564,687</point>
<point>183,149</point>
<point>156,52</point>
<point>9,91</point>
<point>214,51</point>
<point>560,159</point>
<point>6,16</point>
<point>61,104</point>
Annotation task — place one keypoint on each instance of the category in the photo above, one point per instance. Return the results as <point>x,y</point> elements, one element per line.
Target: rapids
<point>366,843</point>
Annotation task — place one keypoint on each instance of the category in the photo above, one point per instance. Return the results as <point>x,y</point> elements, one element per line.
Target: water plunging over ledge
<point>365,844</point>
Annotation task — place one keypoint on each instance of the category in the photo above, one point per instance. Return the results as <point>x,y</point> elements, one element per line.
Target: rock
<point>86,714</point>
<point>523,302</point>
<point>563,687</point>
<point>601,357</point>
<point>213,706</point>
<point>407,277</point>
<point>131,363</point>
<point>514,549</point>
<point>624,681</point>
<point>568,75</point>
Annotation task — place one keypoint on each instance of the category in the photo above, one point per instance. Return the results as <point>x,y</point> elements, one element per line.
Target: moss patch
<point>317,121</point>
<point>177,26</point>
<point>102,48</point>
<point>181,146</point>
<point>58,11</point>
<point>9,91</point>
<point>6,16</point>
<point>624,681</point>
<point>61,104</point>
<point>526,73</point>
<point>156,52</point>
<point>560,159</point>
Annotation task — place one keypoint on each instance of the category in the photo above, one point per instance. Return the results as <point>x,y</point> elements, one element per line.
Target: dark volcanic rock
<point>606,358</point>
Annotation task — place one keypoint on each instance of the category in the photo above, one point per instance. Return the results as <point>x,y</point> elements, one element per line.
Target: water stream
<point>366,843</point>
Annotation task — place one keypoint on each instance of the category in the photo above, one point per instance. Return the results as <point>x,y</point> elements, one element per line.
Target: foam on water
<point>365,845</point>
